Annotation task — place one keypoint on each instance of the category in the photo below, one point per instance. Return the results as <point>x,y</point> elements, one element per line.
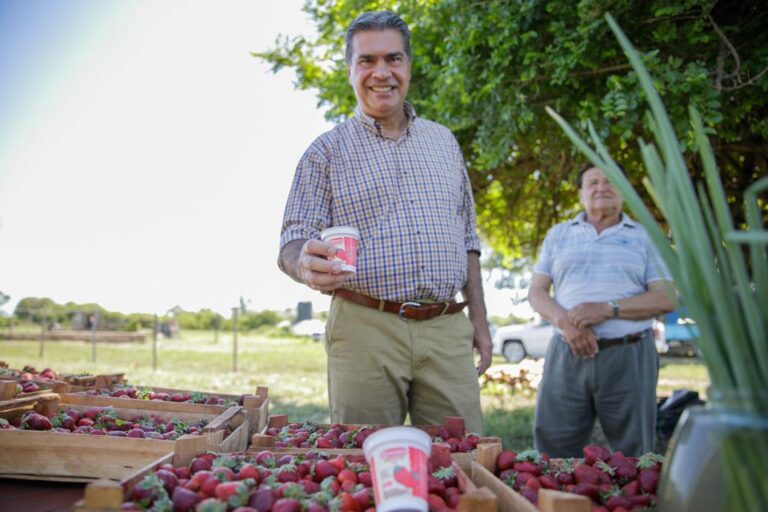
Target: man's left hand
<point>589,313</point>
<point>484,346</point>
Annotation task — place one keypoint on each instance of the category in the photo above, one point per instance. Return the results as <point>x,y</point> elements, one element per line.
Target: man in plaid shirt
<point>397,341</point>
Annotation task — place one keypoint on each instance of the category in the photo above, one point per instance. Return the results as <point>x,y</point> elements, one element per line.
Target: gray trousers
<point>618,387</point>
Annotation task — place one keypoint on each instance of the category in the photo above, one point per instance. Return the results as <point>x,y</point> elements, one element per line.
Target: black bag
<point>669,410</point>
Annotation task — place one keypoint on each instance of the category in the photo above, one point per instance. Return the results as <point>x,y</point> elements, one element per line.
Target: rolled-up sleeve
<point>308,209</point>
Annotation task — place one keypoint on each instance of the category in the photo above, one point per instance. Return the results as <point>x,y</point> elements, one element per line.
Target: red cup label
<point>399,471</point>
<point>346,251</point>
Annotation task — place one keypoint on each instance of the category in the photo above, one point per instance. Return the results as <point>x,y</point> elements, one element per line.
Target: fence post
<point>154,345</point>
<point>234,339</point>
<point>93,335</point>
<point>43,322</point>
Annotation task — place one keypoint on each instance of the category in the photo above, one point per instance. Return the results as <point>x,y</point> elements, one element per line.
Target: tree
<point>487,69</point>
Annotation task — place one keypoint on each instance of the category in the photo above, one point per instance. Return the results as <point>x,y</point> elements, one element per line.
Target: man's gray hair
<point>381,20</point>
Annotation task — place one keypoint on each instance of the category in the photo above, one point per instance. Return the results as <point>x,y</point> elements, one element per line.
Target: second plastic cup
<point>344,239</point>
<point>398,458</point>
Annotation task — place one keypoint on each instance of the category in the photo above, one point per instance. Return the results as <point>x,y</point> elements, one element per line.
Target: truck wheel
<point>513,351</point>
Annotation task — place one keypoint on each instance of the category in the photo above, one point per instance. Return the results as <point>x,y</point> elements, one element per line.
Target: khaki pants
<point>381,368</point>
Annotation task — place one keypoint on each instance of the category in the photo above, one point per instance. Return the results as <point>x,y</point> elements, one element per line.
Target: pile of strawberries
<point>261,482</point>
<point>104,421</point>
<point>612,481</point>
<point>137,393</point>
<point>28,378</point>
<point>313,435</point>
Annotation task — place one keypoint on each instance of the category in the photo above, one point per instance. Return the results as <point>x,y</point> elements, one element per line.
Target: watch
<point>615,305</point>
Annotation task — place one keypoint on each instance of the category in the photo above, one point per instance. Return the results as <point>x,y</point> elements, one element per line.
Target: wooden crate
<point>8,388</point>
<point>108,496</point>
<point>509,500</point>
<point>100,381</point>
<point>13,407</point>
<point>264,441</point>
<point>50,455</point>
<point>255,407</point>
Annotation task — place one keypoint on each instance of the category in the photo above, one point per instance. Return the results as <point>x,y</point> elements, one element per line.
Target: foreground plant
<point>723,285</point>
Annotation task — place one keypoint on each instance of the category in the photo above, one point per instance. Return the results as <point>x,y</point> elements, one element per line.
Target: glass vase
<point>717,459</point>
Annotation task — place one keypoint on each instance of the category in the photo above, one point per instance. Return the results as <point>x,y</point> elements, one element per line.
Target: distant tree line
<point>46,311</point>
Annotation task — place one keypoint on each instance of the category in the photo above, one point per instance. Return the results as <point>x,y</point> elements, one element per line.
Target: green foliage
<point>487,69</point>
<point>38,310</point>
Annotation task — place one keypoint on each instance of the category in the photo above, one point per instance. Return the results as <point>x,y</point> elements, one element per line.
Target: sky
<point>146,156</point>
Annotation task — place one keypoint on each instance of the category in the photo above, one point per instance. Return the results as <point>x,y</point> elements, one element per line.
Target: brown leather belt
<point>604,343</point>
<point>405,310</point>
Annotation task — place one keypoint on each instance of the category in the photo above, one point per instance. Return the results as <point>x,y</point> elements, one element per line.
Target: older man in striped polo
<point>397,341</point>
<point>609,284</point>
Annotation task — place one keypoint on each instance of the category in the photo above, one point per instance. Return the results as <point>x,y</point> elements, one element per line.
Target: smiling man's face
<point>380,72</point>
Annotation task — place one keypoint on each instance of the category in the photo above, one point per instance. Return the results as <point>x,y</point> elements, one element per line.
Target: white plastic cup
<point>398,458</point>
<point>344,239</point>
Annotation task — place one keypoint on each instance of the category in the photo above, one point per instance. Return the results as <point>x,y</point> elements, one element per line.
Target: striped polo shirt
<point>410,198</point>
<point>585,266</point>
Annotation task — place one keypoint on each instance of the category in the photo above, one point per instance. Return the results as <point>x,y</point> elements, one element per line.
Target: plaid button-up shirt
<point>410,198</point>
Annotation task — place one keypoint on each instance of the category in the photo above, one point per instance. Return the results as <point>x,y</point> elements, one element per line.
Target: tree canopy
<point>486,69</point>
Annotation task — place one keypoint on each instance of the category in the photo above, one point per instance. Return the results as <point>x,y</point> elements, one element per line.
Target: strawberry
<point>435,486</point>
<point>549,482</point>
<point>587,489</point>
<point>249,471</point>
<point>266,458</point>
<point>226,489</point>
<point>505,460</point>
<point>364,477</point>
<point>617,501</point>
<point>363,498</point>
<point>453,496</point>
<point>338,462</point>
<point>527,467</point>
<point>533,483</point>
<point>169,478</point>
<point>649,480</point>
<point>208,487</point>
<point>347,474</point>
<point>522,479</point>
<point>650,461</point>
<point>287,473</point>
<point>440,456</point>
<point>436,503</point>
<point>631,489</point>
<point>593,453</point>
<point>447,476</point>
<point>346,503</point>
<point>584,473</point>
<point>453,442</point>
<point>626,472</point>
<point>641,500</point>
<point>322,470</point>
<point>530,495</point>
<point>263,499</point>
<point>35,421</point>
<point>211,505</point>
<point>201,463</point>
<point>184,499</point>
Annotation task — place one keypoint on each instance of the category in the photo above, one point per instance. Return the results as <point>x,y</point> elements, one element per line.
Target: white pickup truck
<point>518,341</point>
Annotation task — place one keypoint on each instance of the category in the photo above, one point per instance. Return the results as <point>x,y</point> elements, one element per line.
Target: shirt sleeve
<point>655,268</point>
<point>471,240</point>
<point>308,209</point>
<point>544,263</point>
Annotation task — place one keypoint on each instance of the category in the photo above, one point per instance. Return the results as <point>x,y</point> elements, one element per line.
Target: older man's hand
<point>589,313</point>
<point>315,268</point>
<point>583,342</point>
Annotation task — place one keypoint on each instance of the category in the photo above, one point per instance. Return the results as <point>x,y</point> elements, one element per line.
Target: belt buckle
<point>406,305</point>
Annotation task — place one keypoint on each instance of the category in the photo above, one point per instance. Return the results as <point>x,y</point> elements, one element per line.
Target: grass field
<point>292,368</point>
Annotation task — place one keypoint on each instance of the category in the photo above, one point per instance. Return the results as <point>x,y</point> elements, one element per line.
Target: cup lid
<point>340,230</point>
